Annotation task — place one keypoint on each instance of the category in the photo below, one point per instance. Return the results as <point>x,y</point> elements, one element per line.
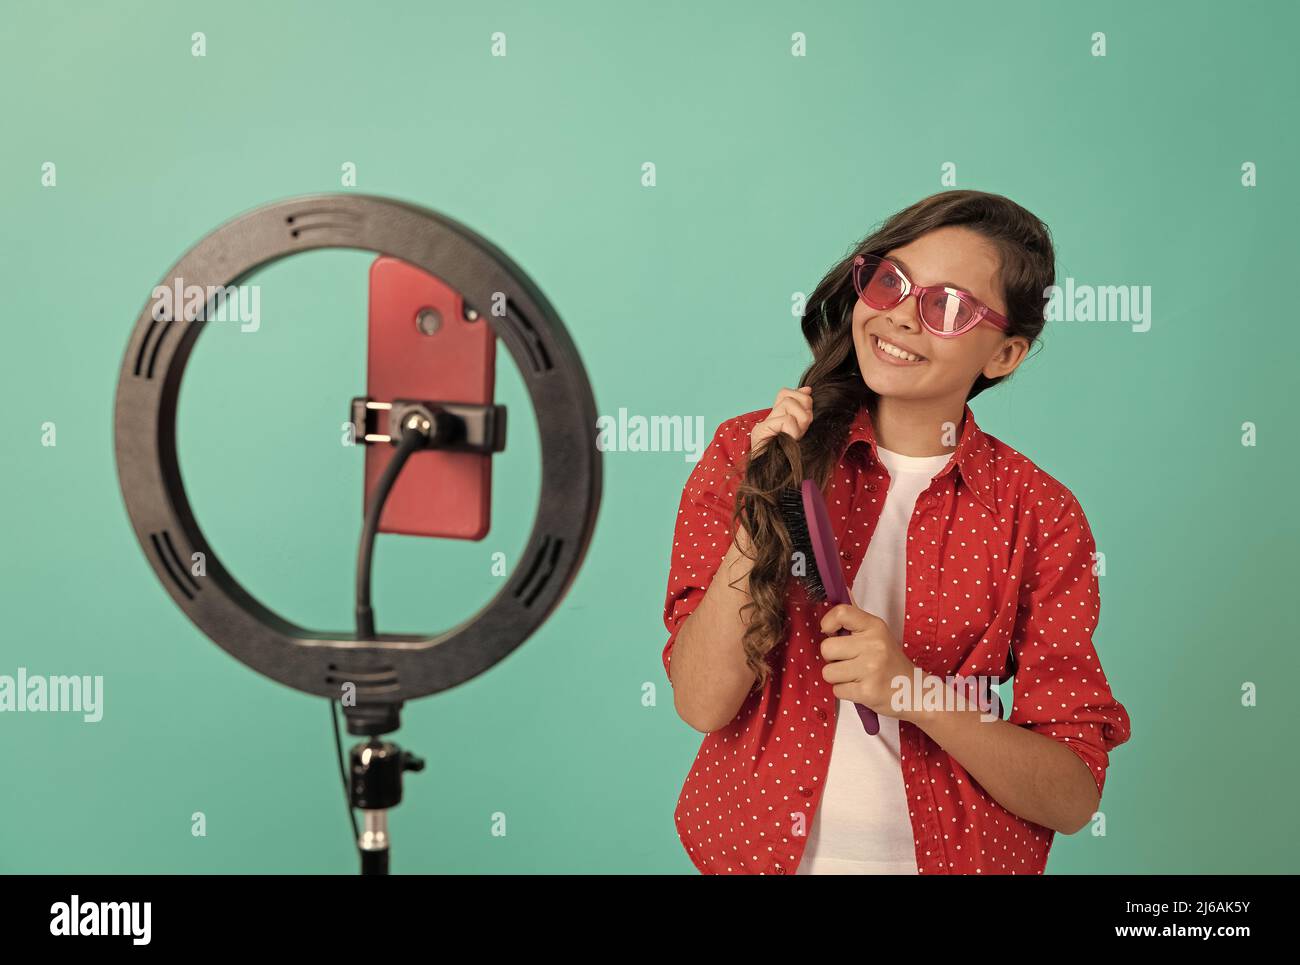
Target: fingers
<point>846,616</point>
<point>841,671</point>
<point>850,657</point>
<point>801,396</point>
<point>791,413</point>
<point>795,405</point>
<point>796,400</point>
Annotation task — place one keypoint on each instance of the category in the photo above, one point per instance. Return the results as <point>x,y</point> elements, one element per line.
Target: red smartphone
<point>421,346</point>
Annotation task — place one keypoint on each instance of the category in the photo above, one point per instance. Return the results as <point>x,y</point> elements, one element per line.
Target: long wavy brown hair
<point>1026,272</point>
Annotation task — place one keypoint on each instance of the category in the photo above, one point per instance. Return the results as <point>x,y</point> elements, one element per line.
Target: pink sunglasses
<point>944,311</point>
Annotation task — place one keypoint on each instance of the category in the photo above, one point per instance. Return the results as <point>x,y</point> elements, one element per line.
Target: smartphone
<point>422,346</point>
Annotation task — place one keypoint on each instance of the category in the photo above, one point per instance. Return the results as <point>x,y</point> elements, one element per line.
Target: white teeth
<point>897,352</point>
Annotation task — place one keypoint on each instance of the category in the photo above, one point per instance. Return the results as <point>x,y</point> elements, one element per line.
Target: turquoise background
<point>679,299</point>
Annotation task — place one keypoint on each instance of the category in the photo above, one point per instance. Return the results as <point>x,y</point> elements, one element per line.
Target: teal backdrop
<point>1169,162</point>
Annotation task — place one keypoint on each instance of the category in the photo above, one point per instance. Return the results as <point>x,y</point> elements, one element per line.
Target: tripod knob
<point>410,762</point>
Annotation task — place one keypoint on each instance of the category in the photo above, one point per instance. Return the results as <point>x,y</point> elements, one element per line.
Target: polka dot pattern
<point>1000,567</point>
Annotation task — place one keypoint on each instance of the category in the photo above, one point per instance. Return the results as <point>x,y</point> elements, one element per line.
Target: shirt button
<point>778,868</point>
<point>806,791</point>
<point>821,713</point>
<point>871,487</point>
<point>845,554</point>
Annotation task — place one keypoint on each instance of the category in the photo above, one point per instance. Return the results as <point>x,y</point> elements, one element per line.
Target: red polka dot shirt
<point>1000,577</point>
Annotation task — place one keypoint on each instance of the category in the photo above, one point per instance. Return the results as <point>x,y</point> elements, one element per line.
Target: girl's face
<point>950,255</point>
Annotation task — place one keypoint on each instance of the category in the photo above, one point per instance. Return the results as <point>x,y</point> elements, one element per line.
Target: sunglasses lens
<point>878,284</point>
<point>945,313</point>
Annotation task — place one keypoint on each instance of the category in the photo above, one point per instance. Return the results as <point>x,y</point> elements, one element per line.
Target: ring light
<point>387,669</point>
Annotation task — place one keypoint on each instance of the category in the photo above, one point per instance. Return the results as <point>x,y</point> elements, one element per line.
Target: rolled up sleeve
<point>703,532</point>
<point>1060,689</point>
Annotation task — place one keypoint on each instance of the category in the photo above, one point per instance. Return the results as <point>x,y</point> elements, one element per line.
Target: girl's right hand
<point>791,413</point>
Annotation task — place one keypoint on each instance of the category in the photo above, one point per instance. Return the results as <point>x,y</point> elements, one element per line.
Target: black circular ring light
<point>388,668</point>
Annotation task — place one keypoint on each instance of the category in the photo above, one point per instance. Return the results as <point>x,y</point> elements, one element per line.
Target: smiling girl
<point>966,561</point>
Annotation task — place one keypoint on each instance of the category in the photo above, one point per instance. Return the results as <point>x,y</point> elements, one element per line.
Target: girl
<point>968,564</point>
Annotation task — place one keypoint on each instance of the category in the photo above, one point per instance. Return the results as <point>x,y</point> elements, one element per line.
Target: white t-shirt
<point>862,825</point>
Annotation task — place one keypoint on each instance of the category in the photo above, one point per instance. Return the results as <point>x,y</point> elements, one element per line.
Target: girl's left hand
<point>867,665</point>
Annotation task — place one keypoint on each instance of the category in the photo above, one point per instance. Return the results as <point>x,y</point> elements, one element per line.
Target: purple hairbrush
<point>809,526</point>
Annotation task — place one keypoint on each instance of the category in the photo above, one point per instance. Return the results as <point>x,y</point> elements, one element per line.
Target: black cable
<point>414,434</point>
<point>412,439</point>
<point>343,772</point>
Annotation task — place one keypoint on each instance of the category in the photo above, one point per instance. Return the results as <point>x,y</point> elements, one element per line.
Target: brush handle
<point>827,555</point>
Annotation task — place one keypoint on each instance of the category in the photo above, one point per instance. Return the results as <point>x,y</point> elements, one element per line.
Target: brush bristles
<point>796,524</point>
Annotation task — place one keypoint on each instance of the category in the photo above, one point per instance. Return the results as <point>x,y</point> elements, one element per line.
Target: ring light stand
<point>386,669</point>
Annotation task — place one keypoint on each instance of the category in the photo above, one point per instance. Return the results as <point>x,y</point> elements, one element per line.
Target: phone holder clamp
<point>453,426</point>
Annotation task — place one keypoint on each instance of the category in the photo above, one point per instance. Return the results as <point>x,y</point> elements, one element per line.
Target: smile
<point>893,354</point>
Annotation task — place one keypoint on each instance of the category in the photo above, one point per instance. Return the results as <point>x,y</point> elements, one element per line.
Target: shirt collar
<point>973,456</point>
